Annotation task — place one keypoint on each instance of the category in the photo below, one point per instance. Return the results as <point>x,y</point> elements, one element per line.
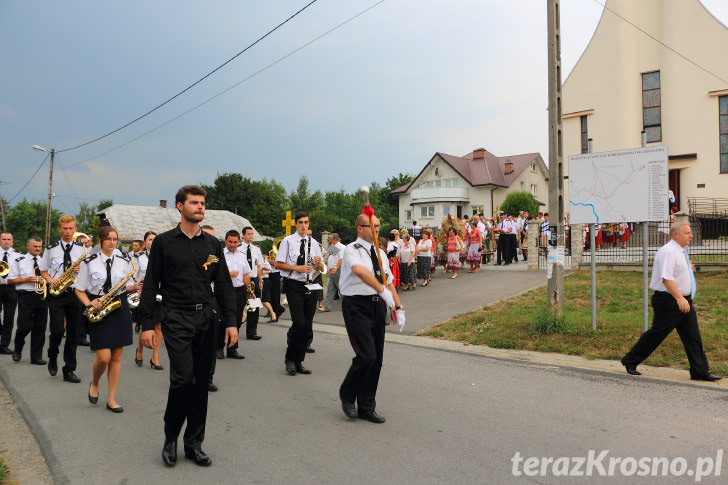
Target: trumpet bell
<point>4,269</point>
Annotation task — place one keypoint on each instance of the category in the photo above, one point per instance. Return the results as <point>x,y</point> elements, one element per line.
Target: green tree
<point>4,208</point>
<point>29,219</point>
<point>103,204</point>
<point>85,216</point>
<point>519,201</point>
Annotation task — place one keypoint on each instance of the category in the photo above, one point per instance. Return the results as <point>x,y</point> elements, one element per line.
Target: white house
<point>474,183</point>
<point>660,66</point>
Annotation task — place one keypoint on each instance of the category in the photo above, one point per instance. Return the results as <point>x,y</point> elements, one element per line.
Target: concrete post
<point>577,244</point>
<point>534,232</point>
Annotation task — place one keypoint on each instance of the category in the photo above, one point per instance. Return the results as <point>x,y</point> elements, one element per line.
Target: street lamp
<point>50,192</point>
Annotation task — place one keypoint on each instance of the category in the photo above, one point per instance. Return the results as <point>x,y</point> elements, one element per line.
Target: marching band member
<point>57,258</point>
<point>240,276</point>
<point>142,260</point>
<point>254,257</point>
<point>294,254</point>
<point>8,296</point>
<point>32,307</point>
<point>98,275</point>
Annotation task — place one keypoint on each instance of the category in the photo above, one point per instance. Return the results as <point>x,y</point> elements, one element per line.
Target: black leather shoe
<point>70,376</point>
<point>291,367</point>
<point>116,410</point>
<point>39,362</point>
<point>632,370</point>
<point>233,354</point>
<point>372,417</point>
<point>84,343</point>
<point>211,387</point>
<point>301,369</point>
<point>220,354</point>
<point>349,409</point>
<point>169,453</point>
<point>137,328</point>
<point>198,457</point>
<point>5,351</point>
<point>52,366</point>
<point>16,356</point>
<point>92,399</point>
<point>281,312</point>
<point>707,377</point>
<point>255,337</point>
<point>310,350</point>
<point>155,366</point>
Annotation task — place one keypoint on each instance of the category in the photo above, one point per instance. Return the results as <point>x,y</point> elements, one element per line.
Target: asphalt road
<point>452,417</point>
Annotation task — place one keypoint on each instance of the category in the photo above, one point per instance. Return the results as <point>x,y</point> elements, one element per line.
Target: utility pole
<point>556,170</point>
<point>50,192</point>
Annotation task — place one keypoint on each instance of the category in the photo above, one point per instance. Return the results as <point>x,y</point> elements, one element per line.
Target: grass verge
<point>522,322</point>
<point>4,473</point>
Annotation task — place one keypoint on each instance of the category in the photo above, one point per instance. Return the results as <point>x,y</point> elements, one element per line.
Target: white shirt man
<point>254,258</point>
<point>8,298</point>
<point>336,253</point>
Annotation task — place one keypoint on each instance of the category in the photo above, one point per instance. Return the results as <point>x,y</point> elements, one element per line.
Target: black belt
<point>668,293</point>
<point>365,297</point>
<point>195,307</point>
<point>27,291</point>
<point>301,283</point>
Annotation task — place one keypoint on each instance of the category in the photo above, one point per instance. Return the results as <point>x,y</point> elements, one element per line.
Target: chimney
<point>479,153</point>
<point>508,167</point>
<point>163,204</point>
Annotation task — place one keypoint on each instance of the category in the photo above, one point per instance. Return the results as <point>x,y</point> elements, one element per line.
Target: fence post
<point>534,233</point>
<point>577,245</point>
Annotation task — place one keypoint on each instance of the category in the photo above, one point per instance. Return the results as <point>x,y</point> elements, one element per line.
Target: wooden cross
<point>288,223</point>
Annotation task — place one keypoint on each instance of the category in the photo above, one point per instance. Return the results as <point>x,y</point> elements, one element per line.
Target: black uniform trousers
<point>503,252</point>
<point>667,316</point>
<point>365,323</point>
<point>65,306</point>
<point>251,321</point>
<point>189,338</point>
<point>240,302</point>
<point>513,238</point>
<point>33,320</point>
<point>302,305</point>
<point>219,330</point>
<point>275,292</point>
<point>8,303</point>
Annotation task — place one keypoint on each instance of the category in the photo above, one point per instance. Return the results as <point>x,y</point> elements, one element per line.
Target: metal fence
<point>543,250</point>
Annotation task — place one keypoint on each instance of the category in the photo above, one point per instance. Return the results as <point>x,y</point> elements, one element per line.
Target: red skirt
<point>394,268</point>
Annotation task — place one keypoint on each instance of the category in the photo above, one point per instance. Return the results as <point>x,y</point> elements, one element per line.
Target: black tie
<point>35,266</point>
<point>302,256</point>
<point>107,283</point>
<point>5,257</point>
<point>250,258</point>
<point>375,263</point>
<point>67,256</point>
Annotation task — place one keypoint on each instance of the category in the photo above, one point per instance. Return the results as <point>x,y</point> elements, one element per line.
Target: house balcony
<point>440,194</point>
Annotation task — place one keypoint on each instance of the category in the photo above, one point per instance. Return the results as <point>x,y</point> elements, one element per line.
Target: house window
<point>450,183</point>
<point>534,190</point>
<point>584,135</point>
<point>445,210</point>
<point>408,215</point>
<point>434,184</point>
<point>651,106</point>
<point>723,117</point>
<point>523,186</point>
<point>533,167</point>
<point>427,211</point>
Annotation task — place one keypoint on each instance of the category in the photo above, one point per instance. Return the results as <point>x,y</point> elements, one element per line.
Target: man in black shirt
<point>182,264</point>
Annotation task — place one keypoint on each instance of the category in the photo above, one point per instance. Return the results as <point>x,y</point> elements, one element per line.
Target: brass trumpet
<point>4,269</point>
<point>250,295</point>
<point>41,287</point>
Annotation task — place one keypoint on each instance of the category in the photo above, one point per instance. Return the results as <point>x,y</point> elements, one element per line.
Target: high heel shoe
<point>155,367</point>
<point>138,362</point>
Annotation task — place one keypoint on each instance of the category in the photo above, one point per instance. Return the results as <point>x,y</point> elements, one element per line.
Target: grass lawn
<point>507,324</point>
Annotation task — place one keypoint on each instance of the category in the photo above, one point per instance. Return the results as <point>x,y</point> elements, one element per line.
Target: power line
<point>193,84</point>
<point>251,76</point>
<point>63,171</point>
<point>662,43</point>
<point>31,178</point>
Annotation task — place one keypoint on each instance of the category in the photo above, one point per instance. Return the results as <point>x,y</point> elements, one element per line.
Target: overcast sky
<point>378,96</point>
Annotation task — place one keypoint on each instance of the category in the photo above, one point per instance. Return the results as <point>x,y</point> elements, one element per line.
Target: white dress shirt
<point>92,274</point>
<point>670,264</point>
<point>335,255</point>
<point>237,261</point>
<point>23,267</point>
<point>256,257</point>
<point>289,250</point>
<point>358,253</point>
<point>12,255</point>
<point>52,260</point>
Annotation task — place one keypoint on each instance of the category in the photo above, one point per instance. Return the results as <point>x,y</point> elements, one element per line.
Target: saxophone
<point>109,302</point>
<point>250,295</point>
<point>67,278</point>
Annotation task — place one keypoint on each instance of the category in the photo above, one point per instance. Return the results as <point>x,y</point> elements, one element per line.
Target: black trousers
<point>302,304</point>
<point>189,338</point>
<point>513,238</point>
<point>667,316</point>
<point>251,321</point>
<point>68,307</point>
<point>240,302</point>
<point>503,251</point>
<point>8,303</point>
<point>365,322</point>
<point>33,320</point>
<point>275,291</point>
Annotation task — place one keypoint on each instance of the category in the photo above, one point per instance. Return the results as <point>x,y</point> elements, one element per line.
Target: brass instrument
<point>4,269</point>
<point>68,277</point>
<point>273,253</point>
<point>109,302</point>
<point>250,295</point>
<point>316,273</point>
<point>134,300</point>
<point>41,287</point>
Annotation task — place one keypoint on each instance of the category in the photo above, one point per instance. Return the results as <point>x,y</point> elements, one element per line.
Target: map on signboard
<point>619,186</point>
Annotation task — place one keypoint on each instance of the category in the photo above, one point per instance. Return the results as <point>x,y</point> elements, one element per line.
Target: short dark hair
<point>232,233</point>
<point>391,236</point>
<point>299,215</point>
<point>246,229</point>
<point>138,241</point>
<point>34,239</point>
<point>182,193</point>
<point>207,226</point>
<point>149,233</point>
